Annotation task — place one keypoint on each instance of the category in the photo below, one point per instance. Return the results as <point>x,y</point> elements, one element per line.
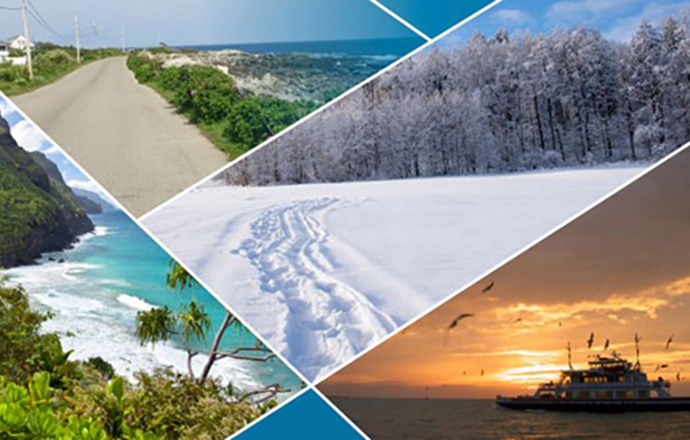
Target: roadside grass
<point>213,131</point>
<point>50,63</point>
<point>232,120</point>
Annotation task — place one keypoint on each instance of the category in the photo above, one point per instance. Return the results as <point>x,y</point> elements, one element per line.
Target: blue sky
<point>617,19</point>
<point>31,139</point>
<point>194,22</point>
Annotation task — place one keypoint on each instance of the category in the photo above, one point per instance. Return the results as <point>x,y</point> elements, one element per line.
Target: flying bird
<point>560,324</point>
<point>482,372</point>
<point>457,320</point>
<point>454,324</point>
<point>680,379</point>
<point>660,367</point>
<point>517,321</point>
<point>489,287</point>
<point>590,341</point>
<point>607,344</point>
<point>670,339</point>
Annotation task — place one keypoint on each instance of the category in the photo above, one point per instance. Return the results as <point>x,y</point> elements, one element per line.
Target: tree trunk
<point>542,142</point>
<point>631,130</point>
<point>214,348</point>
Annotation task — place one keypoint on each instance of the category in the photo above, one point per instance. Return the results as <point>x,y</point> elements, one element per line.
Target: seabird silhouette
<point>670,339</point>
<point>457,320</point>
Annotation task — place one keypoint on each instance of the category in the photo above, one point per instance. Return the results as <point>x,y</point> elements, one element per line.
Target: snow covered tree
<point>500,104</point>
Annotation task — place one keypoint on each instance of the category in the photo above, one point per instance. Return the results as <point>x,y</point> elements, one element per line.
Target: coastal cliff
<point>40,213</point>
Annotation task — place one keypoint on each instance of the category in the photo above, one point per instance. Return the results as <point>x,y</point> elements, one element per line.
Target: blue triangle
<point>305,418</point>
<point>433,17</point>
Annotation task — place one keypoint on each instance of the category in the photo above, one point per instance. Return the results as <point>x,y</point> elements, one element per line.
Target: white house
<point>4,51</point>
<point>5,55</point>
<point>18,42</point>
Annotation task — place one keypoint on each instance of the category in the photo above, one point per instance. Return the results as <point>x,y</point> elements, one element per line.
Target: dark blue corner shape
<point>308,417</point>
<point>433,17</point>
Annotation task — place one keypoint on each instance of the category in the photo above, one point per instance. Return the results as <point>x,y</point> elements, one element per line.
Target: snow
<point>324,271</point>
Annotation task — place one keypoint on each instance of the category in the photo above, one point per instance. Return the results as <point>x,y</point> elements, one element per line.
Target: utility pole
<point>76,37</point>
<point>122,35</point>
<point>29,62</point>
<point>98,38</point>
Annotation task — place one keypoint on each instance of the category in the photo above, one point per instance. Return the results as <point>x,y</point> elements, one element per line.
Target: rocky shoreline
<point>291,77</point>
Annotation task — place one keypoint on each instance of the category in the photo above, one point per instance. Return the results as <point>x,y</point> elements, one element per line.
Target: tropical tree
<point>192,324</point>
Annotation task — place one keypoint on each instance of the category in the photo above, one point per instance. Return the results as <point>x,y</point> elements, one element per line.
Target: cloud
<point>6,109</point>
<point>647,304</point>
<point>87,185</point>
<point>624,28</point>
<point>53,149</point>
<point>585,10</point>
<point>513,17</point>
<point>27,136</point>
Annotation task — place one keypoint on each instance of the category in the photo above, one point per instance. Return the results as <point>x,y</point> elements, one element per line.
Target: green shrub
<point>254,119</point>
<point>44,395</point>
<point>10,73</point>
<point>177,406</point>
<point>145,69</point>
<point>38,412</point>
<point>208,97</point>
<point>53,58</point>
<point>203,93</point>
<point>100,365</point>
<point>21,344</point>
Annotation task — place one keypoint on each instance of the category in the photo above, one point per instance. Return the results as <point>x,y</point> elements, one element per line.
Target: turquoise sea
<point>105,280</point>
<point>382,47</point>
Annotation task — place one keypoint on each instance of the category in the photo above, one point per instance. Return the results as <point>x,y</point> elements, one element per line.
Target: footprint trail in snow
<point>327,322</point>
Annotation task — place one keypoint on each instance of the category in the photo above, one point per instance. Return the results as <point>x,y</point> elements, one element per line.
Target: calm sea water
<point>375,47</point>
<point>104,281</point>
<point>480,420</point>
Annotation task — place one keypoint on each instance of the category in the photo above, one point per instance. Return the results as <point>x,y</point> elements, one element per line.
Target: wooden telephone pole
<point>122,36</point>
<point>29,62</point>
<point>76,38</point>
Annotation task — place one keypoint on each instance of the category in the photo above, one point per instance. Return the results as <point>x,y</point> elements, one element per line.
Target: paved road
<point>123,133</point>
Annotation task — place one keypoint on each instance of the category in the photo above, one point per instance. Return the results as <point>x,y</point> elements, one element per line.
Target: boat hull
<point>597,406</point>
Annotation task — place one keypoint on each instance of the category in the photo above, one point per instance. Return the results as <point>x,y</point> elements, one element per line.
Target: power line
<point>43,22</point>
<point>44,27</point>
<point>9,8</point>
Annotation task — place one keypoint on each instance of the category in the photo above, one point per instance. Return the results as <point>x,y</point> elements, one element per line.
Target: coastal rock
<point>40,212</point>
<point>288,76</point>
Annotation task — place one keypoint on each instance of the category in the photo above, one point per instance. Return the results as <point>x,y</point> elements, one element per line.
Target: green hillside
<point>39,212</point>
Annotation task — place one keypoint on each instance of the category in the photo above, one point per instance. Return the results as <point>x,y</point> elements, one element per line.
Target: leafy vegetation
<point>45,395</point>
<point>235,122</point>
<point>50,62</point>
<point>40,213</point>
<point>192,324</point>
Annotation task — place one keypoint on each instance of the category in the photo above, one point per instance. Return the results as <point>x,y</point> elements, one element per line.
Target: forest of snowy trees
<point>497,105</point>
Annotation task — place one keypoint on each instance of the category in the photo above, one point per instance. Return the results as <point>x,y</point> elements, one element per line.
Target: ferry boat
<point>609,385</point>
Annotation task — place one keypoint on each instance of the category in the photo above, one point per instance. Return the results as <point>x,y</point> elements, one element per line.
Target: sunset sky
<point>620,269</point>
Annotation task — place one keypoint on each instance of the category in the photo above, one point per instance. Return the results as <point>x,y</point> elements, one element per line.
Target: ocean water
<point>104,281</point>
<point>447,419</point>
<point>384,47</point>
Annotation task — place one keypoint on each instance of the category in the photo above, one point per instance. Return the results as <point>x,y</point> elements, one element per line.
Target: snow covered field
<point>324,271</point>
